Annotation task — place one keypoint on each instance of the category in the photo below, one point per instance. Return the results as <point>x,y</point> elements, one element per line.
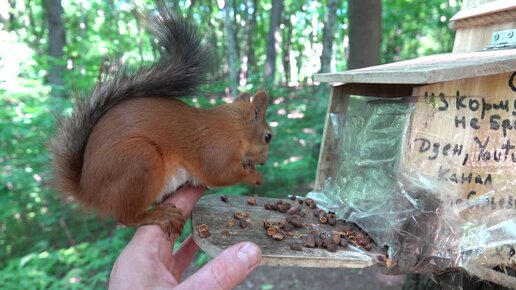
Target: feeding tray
<point>225,231</point>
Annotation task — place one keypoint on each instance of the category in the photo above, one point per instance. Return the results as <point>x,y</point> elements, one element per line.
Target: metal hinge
<point>503,39</point>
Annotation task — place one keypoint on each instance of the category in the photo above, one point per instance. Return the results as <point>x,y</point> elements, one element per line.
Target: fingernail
<point>249,254</point>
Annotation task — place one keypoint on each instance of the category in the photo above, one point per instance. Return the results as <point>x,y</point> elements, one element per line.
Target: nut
<point>313,205</point>
<point>323,219</point>
<point>296,246</point>
<point>325,242</point>
<point>332,220</point>
<point>278,236</point>
<point>308,201</point>
<point>367,247</point>
<point>352,240</point>
<point>316,212</point>
<point>297,222</point>
<point>268,206</point>
<point>332,247</point>
<point>344,242</point>
<point>318,240</point>
<point>204,231</point>
<point>293,197</point>
<point>267,224</point>
<point>294,210</point>
<point>243,223</point>
<point>251,200</point>
<point>309,241</point>
<point>225,233</point>
<point>224,198</point>
<point>288,227</point>
<point>241,215</point>
<point>272,230</point>
<point>335,237</point>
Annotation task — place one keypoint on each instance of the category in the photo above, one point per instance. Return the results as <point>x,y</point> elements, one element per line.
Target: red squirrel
<point>133,142</point>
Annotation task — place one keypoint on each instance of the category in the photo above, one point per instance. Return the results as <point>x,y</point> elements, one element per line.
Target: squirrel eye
<point>268,137</point>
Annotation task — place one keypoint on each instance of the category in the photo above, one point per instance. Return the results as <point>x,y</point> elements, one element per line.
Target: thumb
<point>226,270</point>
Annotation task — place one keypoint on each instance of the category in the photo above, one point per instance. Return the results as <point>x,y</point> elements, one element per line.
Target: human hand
<point>149,262</point>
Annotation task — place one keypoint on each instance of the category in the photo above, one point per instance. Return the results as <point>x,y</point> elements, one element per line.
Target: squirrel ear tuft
<point>260,102</point>
<point>243,97</point>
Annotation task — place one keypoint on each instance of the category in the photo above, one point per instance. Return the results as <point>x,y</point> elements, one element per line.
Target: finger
<point>182,257</point>
<point>227,269</point>
<point>185,198</point>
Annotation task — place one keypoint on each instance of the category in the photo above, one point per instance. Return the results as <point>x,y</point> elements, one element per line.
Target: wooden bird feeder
<point>457,143</point>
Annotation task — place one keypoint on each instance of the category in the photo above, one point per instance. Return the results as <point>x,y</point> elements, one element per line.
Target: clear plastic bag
<point>425,220</point>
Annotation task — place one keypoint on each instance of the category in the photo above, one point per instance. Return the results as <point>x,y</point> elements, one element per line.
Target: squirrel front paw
<point>254,177</point>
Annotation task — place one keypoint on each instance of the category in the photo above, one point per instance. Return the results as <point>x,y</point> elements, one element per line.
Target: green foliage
<point>48,242</point>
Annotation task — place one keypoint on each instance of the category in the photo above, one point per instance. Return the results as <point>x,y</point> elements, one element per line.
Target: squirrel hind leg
<point>166,215</point>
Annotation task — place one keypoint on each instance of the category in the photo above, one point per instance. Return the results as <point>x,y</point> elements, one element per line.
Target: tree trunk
<point>328,36</point>
<point>272,42</point>
<point>56,42</point>
<point>365,32</point>
<point>248,59</point>
<point>231,51</point>
<point>286,48</point>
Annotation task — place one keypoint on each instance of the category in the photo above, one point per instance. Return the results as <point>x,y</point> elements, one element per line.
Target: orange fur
<point>138,145</point>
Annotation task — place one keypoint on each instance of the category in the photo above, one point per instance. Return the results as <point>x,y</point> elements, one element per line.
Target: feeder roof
<point>429,69</point>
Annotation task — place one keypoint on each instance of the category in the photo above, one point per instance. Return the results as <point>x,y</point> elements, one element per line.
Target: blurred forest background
<point>51,48</point>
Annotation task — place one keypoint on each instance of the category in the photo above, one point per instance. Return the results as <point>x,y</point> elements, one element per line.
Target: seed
<point>204,231</point>
<point>313,205</point>
<point>292,197</point>
<point>300,201</point>
<point>296,246</point>
<point>224,198</point>
<point>266,223</point>
<point>335,237</point>
<point>225,233</point>
<point>352,240</point>
<point>287,205</point>
<point>278,236</point>
<point>267,206</point>
<point>331,247</point>
<point>308,201</point>
<point>243,223</point>
<point>367,247</point>
<point>332,220</point>
<point>279,202</point>
<point>344,242</point>
<point>231,222</point>
<point>251,200</point>
<point>323,219</point>
<point>309,241</point>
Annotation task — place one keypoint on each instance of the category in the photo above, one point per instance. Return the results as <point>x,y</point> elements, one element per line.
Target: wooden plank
<point>329,154</point>
<point>218,216</point>
<point>468,4</point>
<point>430,69</point>
<point>476,38</point>
<point>485,9</point>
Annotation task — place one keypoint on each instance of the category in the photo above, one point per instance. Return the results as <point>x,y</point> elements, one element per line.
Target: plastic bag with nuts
<point>414,179</point>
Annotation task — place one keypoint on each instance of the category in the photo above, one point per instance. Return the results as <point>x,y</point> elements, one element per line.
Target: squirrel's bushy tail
<point>184,62</point>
